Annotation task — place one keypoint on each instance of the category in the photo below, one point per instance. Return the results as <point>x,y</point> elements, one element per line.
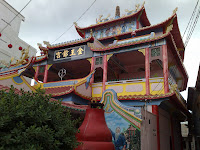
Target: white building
<point>9,35</point>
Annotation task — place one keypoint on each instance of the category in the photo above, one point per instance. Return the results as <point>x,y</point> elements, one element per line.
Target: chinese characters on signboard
<point>69,53</point>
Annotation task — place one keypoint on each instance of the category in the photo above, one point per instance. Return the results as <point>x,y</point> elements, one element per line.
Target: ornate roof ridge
<point>41,58</point>
<point>110,21</point>
<point>110,47</point>
<point>69,43</point>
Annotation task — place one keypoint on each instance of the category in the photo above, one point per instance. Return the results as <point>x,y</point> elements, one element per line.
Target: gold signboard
<point>69,53</point>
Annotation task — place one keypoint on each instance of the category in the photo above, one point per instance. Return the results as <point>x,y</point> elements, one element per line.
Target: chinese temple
<point>132,67</point>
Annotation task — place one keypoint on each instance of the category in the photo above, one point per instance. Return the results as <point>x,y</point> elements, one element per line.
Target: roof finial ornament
<point>106,19</point>
<point>175,10</point>
<point>117,13</point>
<point>137,7</point>
<point>100,19</point>
<point>143,4</point>
<point>75,24</point>
<point>39,45</point>
<point>47,43</point>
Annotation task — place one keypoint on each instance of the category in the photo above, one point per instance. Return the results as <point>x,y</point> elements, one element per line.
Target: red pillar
<point>36,73</point>
<point>172,132</point>
<point>45,74</point>
<point>105,67</point>
<point>147,70</point>
<point>165,68</point>
<point>92,68</point>
<point>137,24</point>
<point>156,112</point>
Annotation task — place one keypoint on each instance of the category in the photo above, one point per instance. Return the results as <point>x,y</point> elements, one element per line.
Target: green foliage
<point>29,121</point>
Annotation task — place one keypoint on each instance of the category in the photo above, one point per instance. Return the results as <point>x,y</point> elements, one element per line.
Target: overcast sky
<point>46,20</point>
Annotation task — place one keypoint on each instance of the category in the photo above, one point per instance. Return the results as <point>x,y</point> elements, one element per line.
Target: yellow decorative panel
<point>96,89</point>
<point>130,87</point>
<point>156,86</point>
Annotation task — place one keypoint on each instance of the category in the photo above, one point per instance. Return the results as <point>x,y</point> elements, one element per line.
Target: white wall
<point>10,34</point>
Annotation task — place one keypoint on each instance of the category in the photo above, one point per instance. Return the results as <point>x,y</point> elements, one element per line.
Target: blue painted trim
<point>18,79</point>
<point>142,103</point>
<point>7,69</point>
<point>59,84</point>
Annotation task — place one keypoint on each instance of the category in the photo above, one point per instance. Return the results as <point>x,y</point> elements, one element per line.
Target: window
<point>155,52</point>
<point>98,61</point>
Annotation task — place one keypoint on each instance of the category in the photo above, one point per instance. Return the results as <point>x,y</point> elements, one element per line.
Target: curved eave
<point>14,69</point>
<point>74,106</point>
<point>177,35</point>
<point>143,18</point>
<point>59,91</point>
<point>74,43</point>
<point>71,106</point>
<point>82,96</point>
<point>175,31</point>
<point>43,48</point>
<point>176,100</point>
<point>171,39</point>
<point>40,58</point>
<point>126,44</point>
<point>161,24</point>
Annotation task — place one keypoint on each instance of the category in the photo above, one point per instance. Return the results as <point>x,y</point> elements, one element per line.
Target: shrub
<point>30,121</point>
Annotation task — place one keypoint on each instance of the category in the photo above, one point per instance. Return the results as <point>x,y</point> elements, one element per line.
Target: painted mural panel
<point>123,122</point>
<point>122,27</point>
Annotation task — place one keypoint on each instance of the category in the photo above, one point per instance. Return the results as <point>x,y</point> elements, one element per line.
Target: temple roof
<point>59,91</point>
<point>66,44</point>
<point>141,13</point>
<point>6,88</point>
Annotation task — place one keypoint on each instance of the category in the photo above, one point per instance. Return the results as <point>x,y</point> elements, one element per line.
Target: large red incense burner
<point>94,133</point>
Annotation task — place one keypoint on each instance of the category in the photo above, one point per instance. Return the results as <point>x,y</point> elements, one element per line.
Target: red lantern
<point>20,48</point>
<point>10,45</point>
<point>0,34</point>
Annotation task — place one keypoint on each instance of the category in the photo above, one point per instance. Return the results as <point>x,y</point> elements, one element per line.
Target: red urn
<point>94,133</point>
<point>20,48</point>
<point>10,45</point>
<point>0,34</point>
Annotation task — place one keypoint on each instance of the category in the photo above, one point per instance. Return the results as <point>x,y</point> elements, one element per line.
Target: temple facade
<point>134,68</point>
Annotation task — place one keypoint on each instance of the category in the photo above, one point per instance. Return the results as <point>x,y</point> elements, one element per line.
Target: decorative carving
<point>75,24</point>
<point>169,28</point>
<point>39,45</point>
<point>4,64</point>
<point>137,7</point>
<point>61,73</point>
<point>106,19</point>
<point>47,43</point>
<point>142,51</point>
<point>100,19</point>
<point>24,56</point>
<point>143,4</point>
<point>175,10</point>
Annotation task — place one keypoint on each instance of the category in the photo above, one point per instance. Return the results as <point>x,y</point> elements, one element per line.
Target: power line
<point>161,80</point>
<point>16,15</point>
<point>192,28</point>
<point>191,18</point>
<point>75,21</point>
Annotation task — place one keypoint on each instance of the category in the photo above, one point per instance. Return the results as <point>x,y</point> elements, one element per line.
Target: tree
<point>30,121</point>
